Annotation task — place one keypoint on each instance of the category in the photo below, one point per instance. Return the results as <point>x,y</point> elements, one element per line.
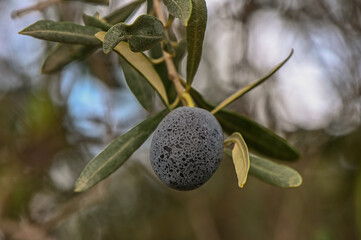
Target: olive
<point>186,148</point>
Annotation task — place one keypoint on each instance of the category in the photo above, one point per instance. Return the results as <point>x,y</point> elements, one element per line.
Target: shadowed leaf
<point>256,136</point>
<point>65,32</point>
<point>270,172</point>
<point>240,157</point>
<point>103,2</point>
<point>138,85</point>
<point>95,22</point>
<point>123,13</point>
<point>195,35</point>
<point>181,9</point>
<point>117,152</point>
<point>64,54</point>
<point>143,34</point>
<point>141,63</point>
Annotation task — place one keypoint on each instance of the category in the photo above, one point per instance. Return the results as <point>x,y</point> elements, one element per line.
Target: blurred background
<point>52,125</point>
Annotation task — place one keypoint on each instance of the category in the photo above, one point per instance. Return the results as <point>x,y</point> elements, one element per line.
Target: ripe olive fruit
<point>186,148</point>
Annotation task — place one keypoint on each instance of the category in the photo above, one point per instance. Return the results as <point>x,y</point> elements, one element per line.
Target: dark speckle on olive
<point>186,148</point>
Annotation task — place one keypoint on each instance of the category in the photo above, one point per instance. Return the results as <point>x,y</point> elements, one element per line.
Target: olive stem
<point>172,71</point>
<point>37,7</point>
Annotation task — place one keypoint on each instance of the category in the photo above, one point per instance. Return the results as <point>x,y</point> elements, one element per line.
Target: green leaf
<point>180,51</point>
<point>273,173</point>
<point>123,13</point>
<point>240,157</point>
<point>117,152</point>
<point>249,87</point>
<point>256,136</point>
<point>195,35</point>
<point>143,34</point>
<point>103,2</point>
<point>141,63</point>
<point>64,54</point>
<point>65,32</point>
<point>138,85</point>
<point>270,172</point>
<point>95,22</point>
<point>181,9</point>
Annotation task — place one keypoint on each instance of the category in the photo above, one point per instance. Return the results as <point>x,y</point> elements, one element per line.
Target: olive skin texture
<point>186,148</point>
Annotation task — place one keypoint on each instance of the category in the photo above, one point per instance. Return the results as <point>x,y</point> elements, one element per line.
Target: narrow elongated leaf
<point>103,2</point>
<point>240,157</point>
<point>117,152</point>
<point>143,34</point>
<point>195,35</point>
<point>249,87</point>
<point>256,136</point>
<point>123,13</point>
<point>64,54</point>
<point>181,9</point>
<point>141,63</point>
<point>65,32</point>
<point>138,85</point>
<point>95,22</point>
<point>270,172</point>
<point>180,51</point>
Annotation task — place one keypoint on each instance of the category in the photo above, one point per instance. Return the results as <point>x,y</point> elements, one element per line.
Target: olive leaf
<point>181,9</point>
<point>138,85</point>
<point>141,63</point>
<point>103,2</point>
<point>195,31</point>
<point>256,136</point>
<point>123,13</point>
<point>65,32</point>
<point>95,22</point>
<point>64,54</point>
<point>117,152</point>
<point>143,34</point>
<point>270,172</point>
<point>240,157</point>
<point>180,51</point>
<point>249,87</point>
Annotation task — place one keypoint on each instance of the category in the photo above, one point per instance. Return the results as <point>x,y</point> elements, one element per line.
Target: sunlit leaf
<point>249,87</point>
<point>181,9</point>
<point>240,157</point>
<point>138,85</point>
<point>195,35</point>
<point>123,13</point>
<point>141,63</point>
<point>143,34</point>
<point>256,136</point>
<point>270,172</point>
<point>64,54</point>
<point>117,152</point>
<point>65,32</point>
<point>95,22</point>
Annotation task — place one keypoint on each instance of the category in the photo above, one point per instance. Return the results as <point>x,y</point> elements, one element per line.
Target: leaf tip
<point>79,187</point>
<point>297,181</point>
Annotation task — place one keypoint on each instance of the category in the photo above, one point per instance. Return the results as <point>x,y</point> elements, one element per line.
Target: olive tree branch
<point>36,7</point>
<point>172,71</point>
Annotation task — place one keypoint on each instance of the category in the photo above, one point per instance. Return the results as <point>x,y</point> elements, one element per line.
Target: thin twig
<point>172,71</point>
<point>37,7</point>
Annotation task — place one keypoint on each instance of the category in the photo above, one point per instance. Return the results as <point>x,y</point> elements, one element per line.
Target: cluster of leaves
<point>145,74</point>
